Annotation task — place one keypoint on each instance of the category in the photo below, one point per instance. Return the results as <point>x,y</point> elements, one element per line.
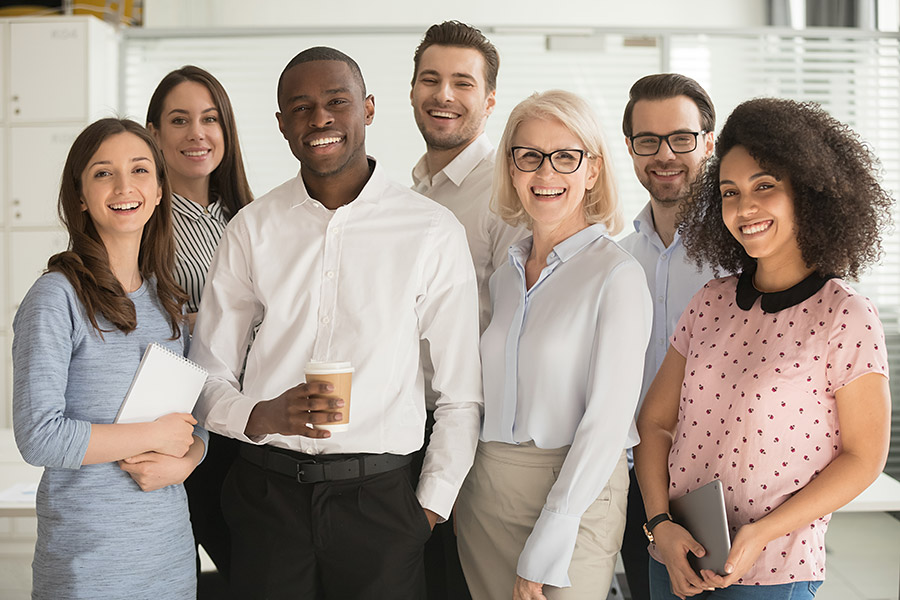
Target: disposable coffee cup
<point>340,375</point>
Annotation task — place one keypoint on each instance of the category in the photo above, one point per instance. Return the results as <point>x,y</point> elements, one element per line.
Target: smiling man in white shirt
<point>453,94</point>
<point>338,264</point>
<point>668,125</point>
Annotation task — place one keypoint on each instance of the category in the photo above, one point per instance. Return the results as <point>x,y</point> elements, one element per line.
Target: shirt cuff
<point>436,495</point>
<point>548,550</point>
<point>75,453</point>
<point>201,433</point>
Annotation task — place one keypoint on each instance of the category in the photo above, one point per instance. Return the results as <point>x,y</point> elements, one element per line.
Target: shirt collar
<point>460,167</point>
<point>564,250</point>
<point>371,191</point>
<point>194,211</point>
<point>773,302</point>
<point>643,225</point>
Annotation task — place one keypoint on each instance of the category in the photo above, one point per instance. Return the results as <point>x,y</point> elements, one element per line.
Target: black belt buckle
<point>310,472</point>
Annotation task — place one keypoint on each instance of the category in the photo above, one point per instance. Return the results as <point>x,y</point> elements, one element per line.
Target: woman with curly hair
<point>776,379</point>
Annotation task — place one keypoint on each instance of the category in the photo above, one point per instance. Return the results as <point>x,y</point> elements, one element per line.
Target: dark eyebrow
<point>331,92</point>
<point>682,130</point>
<point>752,177</point>
<point>109,162</point>
<point>436,74</point>
<point>181,111</point>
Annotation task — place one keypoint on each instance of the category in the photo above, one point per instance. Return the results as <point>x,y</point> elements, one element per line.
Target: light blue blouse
<point>562,366</point>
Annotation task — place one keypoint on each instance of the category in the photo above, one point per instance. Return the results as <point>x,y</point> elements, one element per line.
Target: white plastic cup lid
<point>327,368</point>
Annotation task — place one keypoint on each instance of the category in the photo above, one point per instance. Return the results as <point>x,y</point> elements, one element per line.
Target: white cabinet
<point>57,75</point>
<point>35,170</point>
<point>29,253</point>
<point>60,70</point>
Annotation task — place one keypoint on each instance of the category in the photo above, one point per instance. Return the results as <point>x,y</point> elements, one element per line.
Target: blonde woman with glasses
<point>542,512</point>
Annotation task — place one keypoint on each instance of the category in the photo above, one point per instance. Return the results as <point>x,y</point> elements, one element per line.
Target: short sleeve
<point>856,345</point>
<point>681,338</point>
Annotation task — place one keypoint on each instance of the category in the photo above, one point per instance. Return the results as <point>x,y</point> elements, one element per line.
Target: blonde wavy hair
<point>601,202</point>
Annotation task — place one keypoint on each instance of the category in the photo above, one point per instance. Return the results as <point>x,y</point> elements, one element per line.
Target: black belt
<point>316,469</point>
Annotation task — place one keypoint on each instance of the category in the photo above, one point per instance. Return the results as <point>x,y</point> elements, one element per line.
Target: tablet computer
<point>702,513</point>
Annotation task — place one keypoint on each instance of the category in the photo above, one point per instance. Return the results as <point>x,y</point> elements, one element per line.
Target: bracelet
<point>649,525</point>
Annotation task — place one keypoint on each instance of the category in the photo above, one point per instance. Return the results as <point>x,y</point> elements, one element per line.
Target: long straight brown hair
<point>86,263</point>
<point>228,181</point>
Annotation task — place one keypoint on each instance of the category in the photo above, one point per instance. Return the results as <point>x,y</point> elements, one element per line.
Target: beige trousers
<point>499,504</point>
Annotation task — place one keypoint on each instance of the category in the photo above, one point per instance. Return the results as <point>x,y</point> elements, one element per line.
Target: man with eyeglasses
<point>453,94</point>
<point>668,125</point>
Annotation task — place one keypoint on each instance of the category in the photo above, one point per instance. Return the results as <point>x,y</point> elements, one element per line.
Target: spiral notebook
<point>165,383</point>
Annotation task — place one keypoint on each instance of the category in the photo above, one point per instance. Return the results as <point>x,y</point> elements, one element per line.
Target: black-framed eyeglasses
<point>529,160</point>
<point>680,142</point>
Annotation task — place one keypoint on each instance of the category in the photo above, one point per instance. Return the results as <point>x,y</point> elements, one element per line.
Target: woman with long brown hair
<point>112,515</point>
<point>191,117</point>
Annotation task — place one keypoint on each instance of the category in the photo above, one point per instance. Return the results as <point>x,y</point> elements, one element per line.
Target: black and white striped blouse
<point>197,234</point>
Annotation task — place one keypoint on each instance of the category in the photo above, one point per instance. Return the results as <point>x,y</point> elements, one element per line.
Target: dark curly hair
<point>840,208</point>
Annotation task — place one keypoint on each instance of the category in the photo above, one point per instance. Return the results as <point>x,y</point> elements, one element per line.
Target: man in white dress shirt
<point>453,94</point>
<point>337,264</point>
<point>668,125</point>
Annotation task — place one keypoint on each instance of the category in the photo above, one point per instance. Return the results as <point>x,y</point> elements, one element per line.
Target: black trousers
<point>443,572</point>
<point>356,539</point>
<point>204,492</point>
<point>634,546</point>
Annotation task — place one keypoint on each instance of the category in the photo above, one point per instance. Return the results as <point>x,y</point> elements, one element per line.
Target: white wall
<point>418,13</point>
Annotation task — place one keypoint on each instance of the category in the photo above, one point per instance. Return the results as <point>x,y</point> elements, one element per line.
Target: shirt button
<point>334,231</point>
<point>662,342</point>
<point>660,299</point>
<point>663,257</point>
<point>326,320</point>
<point>329,274</point>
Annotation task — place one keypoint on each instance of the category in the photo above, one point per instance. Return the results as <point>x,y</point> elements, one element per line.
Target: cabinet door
<point>35,168</point>
<point>6,381</point>
<point>29,251</point>
<point>4,182</point>
<point>48,72</point>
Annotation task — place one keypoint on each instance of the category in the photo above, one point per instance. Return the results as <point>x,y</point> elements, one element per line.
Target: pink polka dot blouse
<point>758,409</point>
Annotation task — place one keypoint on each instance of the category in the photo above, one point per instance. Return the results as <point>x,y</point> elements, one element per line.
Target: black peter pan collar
<point>773,302</point>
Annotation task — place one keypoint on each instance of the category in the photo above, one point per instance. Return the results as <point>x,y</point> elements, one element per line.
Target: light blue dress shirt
<point>562,366</point>
<point>673,280</point>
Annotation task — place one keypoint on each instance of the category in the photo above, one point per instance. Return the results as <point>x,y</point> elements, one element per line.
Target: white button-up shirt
<point>363,283</point>
<point>464,186</point>
<point>562,365</point>
<point>673,280</point>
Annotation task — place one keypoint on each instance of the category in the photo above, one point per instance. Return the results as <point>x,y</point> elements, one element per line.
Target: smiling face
<point>119,187</point>
<point>323,116</point>
<point>450,99</point>
<point>553,200</point>
<point>666,175</point>
<point>190,134</point>
<point>758,210</point>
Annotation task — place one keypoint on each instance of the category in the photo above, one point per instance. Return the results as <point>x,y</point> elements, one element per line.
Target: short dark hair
<point>840,208</point>
<point>317,53</point>
<point>228,181</point>
<point>454,33</point>
<point>663,86</point>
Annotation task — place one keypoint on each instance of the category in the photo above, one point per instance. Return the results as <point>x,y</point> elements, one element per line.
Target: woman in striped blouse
<point>191,118</point>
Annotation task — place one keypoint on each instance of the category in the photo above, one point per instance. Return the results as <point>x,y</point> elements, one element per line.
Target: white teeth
<point>756,227</point>
<point>323,141</point>
<point>125,205</point>
<point>442,114</point>
<point>667,173</point>
<point>548,191</point>
<point>196,153</point>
